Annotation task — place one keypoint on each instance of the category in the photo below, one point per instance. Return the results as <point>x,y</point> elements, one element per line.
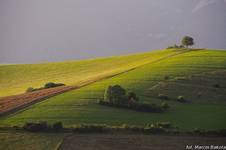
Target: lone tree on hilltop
<point>187,41</point>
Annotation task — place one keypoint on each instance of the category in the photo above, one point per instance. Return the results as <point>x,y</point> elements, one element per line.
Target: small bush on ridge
<point>181,99</point>
<point>163,97</point>
<point>57,126</point>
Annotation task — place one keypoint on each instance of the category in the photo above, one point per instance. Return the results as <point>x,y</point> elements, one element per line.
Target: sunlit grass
<point>79,106</point>
<point>15,79</point>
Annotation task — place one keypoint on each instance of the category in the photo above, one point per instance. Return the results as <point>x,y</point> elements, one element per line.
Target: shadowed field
<point>29,141</point>
<point>136,142</point>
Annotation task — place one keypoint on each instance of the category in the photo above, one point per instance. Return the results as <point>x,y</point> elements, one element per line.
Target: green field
<point>15,79</point>
<point>80,106</point>
<point>204,88</point>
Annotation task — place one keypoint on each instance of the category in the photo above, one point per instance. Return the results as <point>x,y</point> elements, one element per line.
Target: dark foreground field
<point>135,142</point>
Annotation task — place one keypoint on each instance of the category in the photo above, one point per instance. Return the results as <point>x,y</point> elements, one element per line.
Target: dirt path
<point>136,142</point>
<point>14,103</point>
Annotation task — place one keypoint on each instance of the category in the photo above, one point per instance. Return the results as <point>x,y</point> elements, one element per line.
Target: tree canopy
<point>187,41</point>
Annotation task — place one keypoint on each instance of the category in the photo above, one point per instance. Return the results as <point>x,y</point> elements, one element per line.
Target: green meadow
<point>141,73</point>
<point>15,79</point>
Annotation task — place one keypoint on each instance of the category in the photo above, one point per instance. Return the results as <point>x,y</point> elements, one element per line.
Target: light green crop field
<point>15,79</point>
<point>80,106</point>
<point>11,140</point>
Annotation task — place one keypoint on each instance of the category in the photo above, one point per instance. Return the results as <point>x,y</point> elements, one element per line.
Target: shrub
<point>136,106</point>
<point>175,46</point>
<point>199,94</point>
<point>148,108</point>
<point>51,85</point>
<point>57,126</point>
<point>30,89</point>
<point>91,128</point>
<point>163,97</point>
<point>164,124</point>
<point>153,130</point>
<point>164,105</point>
<point>166,78</point>
<point>132,97</point>
<point>36,127</point>
<point>181,99</point>
<point>125,126</point>
<point>180,78</point>
<point>216,85</point>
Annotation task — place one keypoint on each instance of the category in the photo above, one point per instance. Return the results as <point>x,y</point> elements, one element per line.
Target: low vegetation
<point>181,99</point>
<point>151,128</point>
<point>42,127</point>
<point>46,86</point>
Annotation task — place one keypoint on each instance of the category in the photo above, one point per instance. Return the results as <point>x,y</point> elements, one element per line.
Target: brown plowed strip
<point>13,103</point>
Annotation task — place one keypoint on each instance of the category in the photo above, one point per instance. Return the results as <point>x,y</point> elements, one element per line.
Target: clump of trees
<point>186,41</point>
<point>116,96</point>
<point>46,86</point>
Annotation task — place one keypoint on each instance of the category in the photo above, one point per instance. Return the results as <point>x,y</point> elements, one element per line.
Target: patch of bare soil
<point>136,142</point>
<point>13,103</point>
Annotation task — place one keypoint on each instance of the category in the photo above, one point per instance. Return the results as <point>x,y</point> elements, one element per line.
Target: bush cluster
<point>153,128</point>
<point>119,96</point>
<point>42,127</point>
<point>46,86</point>
<point>116,96</point>
<point>160,127</point>
<point>163,97</point>
<point>142,107</point>
<point>221,132</point>
<point>175,46</point>
<point>181,99</point>
<point>216,85</point>
<point>88,128</point>
<point>51,85</point>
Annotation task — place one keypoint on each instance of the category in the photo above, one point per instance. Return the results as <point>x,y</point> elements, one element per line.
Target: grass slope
<point>15,79</point>
<point>201,88</point>
<point>79,106</point>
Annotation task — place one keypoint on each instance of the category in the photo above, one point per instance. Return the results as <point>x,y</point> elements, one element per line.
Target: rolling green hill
<point>15,79</point>
<point>80,106</point>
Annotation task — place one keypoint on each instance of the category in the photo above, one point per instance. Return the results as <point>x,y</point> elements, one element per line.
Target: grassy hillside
<point>79,106</point>
<point>208,87</point>
<point>15,79</point>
